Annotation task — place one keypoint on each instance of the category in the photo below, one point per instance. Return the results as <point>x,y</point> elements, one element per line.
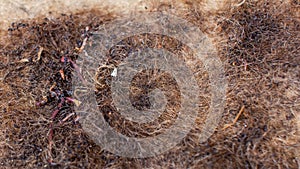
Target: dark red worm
<point>75,66</point>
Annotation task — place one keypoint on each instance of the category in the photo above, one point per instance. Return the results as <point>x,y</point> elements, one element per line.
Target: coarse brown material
<point>258,43</point>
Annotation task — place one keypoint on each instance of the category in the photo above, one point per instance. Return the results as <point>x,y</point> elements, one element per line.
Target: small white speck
<point>114,73</point>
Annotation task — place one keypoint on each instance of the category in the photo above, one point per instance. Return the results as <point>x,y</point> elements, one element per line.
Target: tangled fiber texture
<point>258,43</point>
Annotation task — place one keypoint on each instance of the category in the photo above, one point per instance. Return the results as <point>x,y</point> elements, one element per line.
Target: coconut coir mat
<point>258,43</point>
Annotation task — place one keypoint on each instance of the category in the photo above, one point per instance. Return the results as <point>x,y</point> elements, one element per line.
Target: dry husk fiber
<point>258,42</point>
